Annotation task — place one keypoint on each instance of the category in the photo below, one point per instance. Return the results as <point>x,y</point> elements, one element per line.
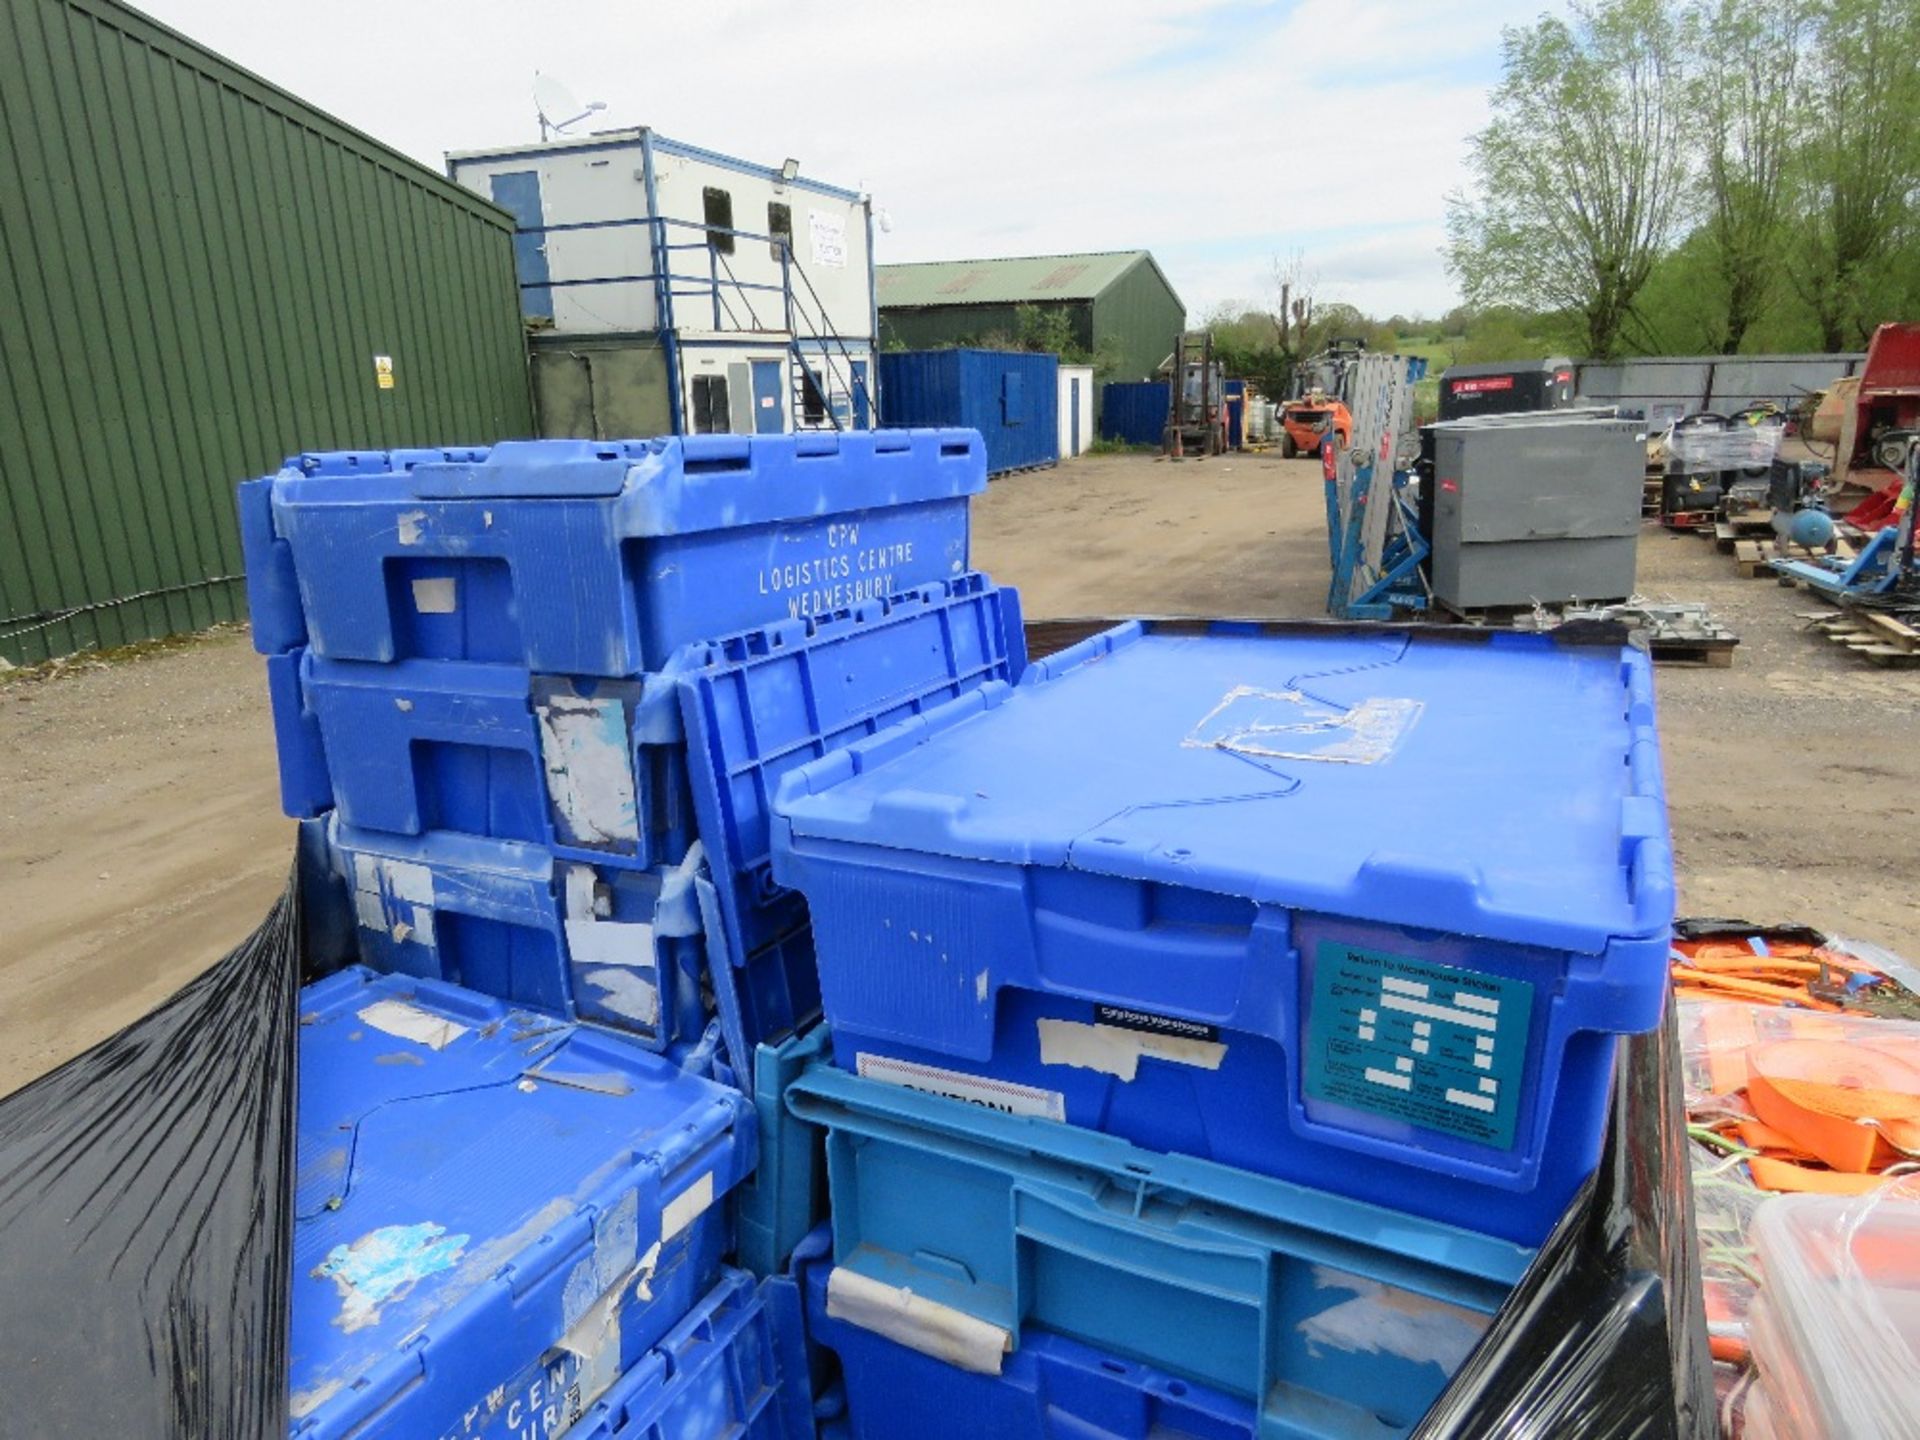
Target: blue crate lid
<point>673,485</point>
<point>1503,785</point>
<point>453,1153</point>
<point>768,700</point>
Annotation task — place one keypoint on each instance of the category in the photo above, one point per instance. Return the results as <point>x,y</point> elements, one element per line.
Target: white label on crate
<point>611,942</point>
<point>1377,1319</point>
<point>435,596</point>
<point>371,911</point>
<point>594,1342</point>
<point>583,748</point>
<point>412,525</point>
<point>1289,725</point>
<point>1002,1095</point>
<point>686,1207</point>
<point>962,1340</point>
<point>410,1022</point>
<point>1117,1050</point>
<point>410,882</point>
<point>623,990</point>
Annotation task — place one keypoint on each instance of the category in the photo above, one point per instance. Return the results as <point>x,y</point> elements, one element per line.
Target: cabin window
<point>718,205</point>
<point>711,413</point>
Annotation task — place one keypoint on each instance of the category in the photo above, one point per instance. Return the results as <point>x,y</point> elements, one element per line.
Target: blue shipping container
<point>963,1231</point>
<point>496,1214</point>
<point>1363,910</point>
<point>1134,412</point>
<point>1011,397</point>
<point>585,558</point>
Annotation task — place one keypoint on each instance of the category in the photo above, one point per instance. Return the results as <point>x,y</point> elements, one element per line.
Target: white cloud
<point>1215,133</point>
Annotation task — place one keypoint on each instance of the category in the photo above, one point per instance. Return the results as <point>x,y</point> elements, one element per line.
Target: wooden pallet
<point>1500,617</point>
<point>1730,530</point>
<point>1880,638</point>
<point>1710,650</point>
<point>1715,654</point>
<point>1752,558</point>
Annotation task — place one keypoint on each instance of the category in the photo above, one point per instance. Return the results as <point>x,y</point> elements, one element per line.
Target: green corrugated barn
<point>200,275</point>
<point>1119,296</point>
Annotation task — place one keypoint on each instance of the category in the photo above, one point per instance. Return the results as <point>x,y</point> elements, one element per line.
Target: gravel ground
<point>140,832</point>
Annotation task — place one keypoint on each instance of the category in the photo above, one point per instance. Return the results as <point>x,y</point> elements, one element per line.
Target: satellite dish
<point>557,108</point>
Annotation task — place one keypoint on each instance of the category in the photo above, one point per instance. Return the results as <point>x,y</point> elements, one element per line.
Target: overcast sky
<point>1218,135</point>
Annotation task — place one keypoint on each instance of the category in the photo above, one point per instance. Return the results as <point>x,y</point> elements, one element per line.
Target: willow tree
<point>1747,94</point>
<point>1581,176</point>
<point>1859,165</point>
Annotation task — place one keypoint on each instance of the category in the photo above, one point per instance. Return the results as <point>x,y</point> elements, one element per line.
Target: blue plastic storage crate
<point>496,1214</point>
<point>1011,397</point>
<point>760,704</point>
<point>785,1197</point>
<point>1364,910</point>
<point>1051,1388</point>
<point>619,947</point>
<point>735,1367</point>
<point>588,558</point>
<point>594,770</point>
<point>306,785</point>
<point>962,1231</point>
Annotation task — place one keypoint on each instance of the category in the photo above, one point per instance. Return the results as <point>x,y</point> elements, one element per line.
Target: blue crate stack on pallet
<point>1240,1006</point>
<point>523,1135</point>
<point>778,1006</point>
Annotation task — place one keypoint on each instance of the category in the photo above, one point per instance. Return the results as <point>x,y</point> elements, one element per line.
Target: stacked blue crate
<point>1051,1388</point>
<point>1317,943</point>
<point>512,1217</point>
<point>474,657</point>
<point>497,1214</point>
<point>1361,910</point>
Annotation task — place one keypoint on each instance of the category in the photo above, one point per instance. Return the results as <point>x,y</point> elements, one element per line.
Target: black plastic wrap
<point>146,1233</point>
<point>146,1214</point>
<point>1605,1338</point>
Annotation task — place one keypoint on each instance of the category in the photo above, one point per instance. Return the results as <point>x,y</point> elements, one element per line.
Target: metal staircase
<point>814,388</point>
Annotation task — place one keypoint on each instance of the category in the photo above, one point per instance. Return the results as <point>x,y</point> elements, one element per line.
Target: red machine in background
<point>1870,420</point>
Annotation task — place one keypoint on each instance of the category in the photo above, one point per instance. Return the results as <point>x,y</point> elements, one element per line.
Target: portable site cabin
<point>670,289</point>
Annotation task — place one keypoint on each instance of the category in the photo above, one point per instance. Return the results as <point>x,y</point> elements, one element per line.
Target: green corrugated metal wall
<point>196,273</point>
<point>1143,316</point>
<point>1137,311</point>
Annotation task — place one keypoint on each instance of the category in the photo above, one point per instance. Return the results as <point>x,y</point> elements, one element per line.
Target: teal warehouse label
<point>1433,1045</point>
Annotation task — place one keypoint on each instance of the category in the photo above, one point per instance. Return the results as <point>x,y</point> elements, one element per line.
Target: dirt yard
<point>141,837</point>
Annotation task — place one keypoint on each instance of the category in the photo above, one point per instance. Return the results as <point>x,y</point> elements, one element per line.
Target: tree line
<point>1673,176</point>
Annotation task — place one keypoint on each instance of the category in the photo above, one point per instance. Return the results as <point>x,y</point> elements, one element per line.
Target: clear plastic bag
<point>1739,446</point>
<point>1836,1330</point>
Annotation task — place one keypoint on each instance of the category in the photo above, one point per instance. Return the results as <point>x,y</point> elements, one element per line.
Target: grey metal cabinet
<point>1529,508</point>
